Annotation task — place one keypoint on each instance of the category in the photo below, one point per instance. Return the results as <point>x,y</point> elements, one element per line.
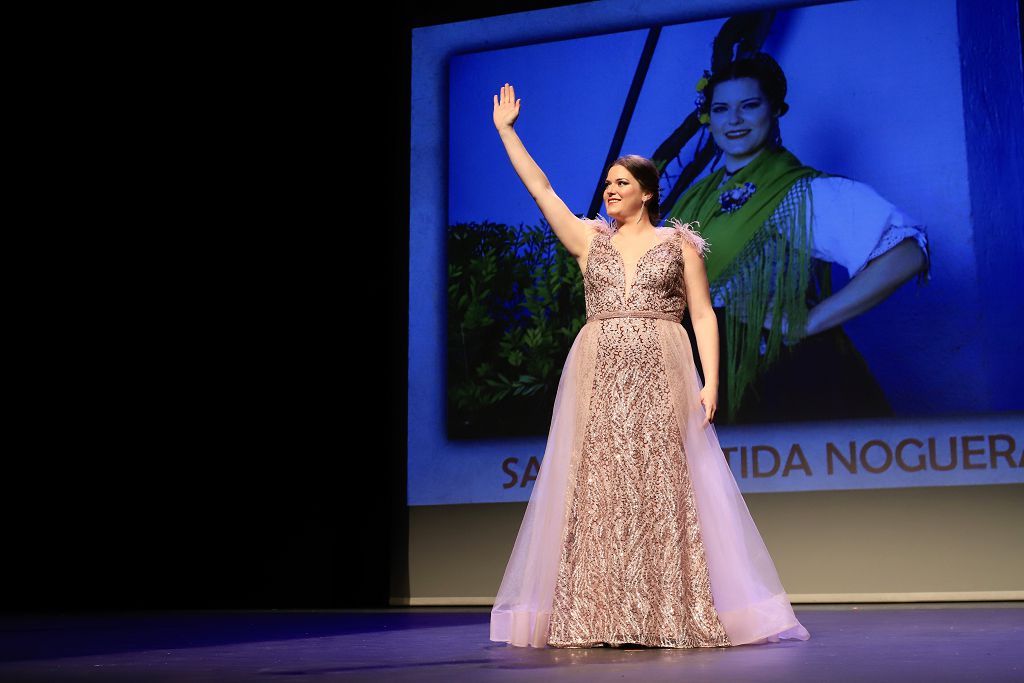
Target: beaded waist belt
<point>664,315</point>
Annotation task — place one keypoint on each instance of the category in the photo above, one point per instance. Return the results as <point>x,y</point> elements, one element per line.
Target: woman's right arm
<point>571,231</point>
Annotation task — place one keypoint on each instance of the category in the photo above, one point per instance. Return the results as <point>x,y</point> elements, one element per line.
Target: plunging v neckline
<point>627,286</point>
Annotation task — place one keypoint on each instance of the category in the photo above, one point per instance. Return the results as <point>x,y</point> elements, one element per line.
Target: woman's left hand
<point>709,399</point>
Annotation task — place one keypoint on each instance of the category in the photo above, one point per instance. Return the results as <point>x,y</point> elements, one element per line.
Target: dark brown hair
<point>761,67</point>
<point>646,174</point>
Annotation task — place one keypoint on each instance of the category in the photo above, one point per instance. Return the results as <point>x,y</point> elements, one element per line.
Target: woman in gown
<point>771,220</point>
<point>636,531</point>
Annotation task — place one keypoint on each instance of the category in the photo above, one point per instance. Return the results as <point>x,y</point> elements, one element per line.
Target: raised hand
<point>572,232</point>
<point>506,108</point>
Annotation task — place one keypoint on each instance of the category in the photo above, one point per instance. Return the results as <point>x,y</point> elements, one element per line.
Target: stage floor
<point>870,643</point>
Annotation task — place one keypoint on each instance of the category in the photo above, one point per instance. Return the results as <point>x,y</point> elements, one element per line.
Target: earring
<point>776,134</point>
<point>643,207</point>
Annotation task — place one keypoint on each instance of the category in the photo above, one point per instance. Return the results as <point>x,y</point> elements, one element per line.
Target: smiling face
<point>740,118</point>
<point>623,196</point>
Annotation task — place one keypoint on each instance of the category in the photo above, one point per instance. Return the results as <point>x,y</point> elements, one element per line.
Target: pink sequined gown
<point>636,531</point>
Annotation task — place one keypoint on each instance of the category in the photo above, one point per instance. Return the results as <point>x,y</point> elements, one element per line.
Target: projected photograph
<point>794,236</point>
<point>828,162</point>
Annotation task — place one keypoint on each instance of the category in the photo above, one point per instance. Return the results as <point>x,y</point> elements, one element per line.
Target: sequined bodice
<point>654,283</point>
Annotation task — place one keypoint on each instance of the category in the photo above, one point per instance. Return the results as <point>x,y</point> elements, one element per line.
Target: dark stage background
<point>213,406</point>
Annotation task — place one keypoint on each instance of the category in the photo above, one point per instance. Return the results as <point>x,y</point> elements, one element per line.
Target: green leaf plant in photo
<point>515,304</point>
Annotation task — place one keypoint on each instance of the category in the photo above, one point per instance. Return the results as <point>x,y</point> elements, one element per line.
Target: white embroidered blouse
<point>852,223</point>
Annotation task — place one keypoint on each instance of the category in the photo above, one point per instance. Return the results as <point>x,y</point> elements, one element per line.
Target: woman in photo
<point>769,219</point>
<point>636,532</point>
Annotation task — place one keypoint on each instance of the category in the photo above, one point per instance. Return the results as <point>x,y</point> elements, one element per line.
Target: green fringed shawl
<point>757,265</point>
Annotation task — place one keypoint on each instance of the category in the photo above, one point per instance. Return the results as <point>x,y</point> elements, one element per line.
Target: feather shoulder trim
<point>691,236</point>
<point>600,224</point>
<point>683,230</point>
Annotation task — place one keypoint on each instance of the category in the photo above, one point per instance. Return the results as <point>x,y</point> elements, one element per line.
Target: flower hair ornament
<point>702,116</point>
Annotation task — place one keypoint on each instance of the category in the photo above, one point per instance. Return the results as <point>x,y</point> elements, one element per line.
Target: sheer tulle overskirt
<point>522,608</point>
<point>749,598</point>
